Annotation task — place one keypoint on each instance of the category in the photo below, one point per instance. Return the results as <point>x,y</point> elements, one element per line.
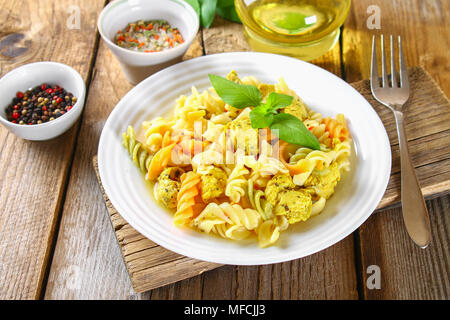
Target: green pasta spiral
<point>140,155</point>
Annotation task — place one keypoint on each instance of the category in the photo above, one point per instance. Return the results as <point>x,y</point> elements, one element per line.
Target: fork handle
<point>415,214</point>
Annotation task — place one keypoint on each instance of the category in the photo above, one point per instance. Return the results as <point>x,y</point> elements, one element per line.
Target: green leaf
<point>195,5</point>
<point>226,9</point>
<point>228,13</point>
<point>292,130</point>
<point>207,12</point>
<point>260,119</point>
<point>225,3</point>
<point>236,95</point>
<point>276,101</point>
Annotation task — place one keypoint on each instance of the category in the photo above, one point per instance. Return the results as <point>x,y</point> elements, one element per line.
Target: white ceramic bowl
<point>139,65</point>
<point>357,194</point>
<point>34,74</point>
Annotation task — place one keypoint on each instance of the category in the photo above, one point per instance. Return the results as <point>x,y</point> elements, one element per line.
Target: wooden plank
<point>407,271</point>
<point>423,26</point>
<point>428,138</point>
<point>87,262</point>
<point>33,174</point>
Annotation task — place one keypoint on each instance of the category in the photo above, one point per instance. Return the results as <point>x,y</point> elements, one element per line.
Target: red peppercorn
<point>43,87</point>
<point>19,95</point>
<point>44,108</point>
<point>14,121</point>
<point>30,123</point>
<point>16,107</point>
<point>68,108</point>
<point>15,115</point>
<point>59,100</point>
<point>49,90</point>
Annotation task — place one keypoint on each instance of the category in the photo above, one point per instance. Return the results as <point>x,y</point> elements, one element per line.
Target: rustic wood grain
<point>87,262</point>
<point>92,266</point>
<point>428,131</point>
<point>408,272</point>
<point>423,26</point>
<point>33,174</point>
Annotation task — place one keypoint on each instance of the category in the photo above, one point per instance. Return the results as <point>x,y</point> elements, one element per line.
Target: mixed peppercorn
<point>40,104</point>
<point>148,36</point>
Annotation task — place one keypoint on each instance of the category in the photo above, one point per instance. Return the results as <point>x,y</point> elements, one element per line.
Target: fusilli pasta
<point>188,191</point>
<point>228,220</point>
<point>219,174</point>
<point>236,183</point>
<point>139,153</point>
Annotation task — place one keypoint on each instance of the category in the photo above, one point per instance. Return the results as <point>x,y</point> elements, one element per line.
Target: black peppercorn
<point>40,104</point>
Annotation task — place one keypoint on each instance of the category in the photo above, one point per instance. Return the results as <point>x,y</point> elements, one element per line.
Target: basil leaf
<point>225,3</point>
<point>236,95</point>
<point>276,101</point>
<point>260,119</point>
<point>226,9</point>
<point>207,12</point>
<point>195,5</point>
<point>292,130</point>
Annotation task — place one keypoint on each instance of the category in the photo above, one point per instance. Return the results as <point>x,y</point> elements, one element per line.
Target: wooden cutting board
<point>428,130</point>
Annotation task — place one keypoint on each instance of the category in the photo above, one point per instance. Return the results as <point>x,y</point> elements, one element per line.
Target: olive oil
<point>290,18</point>
<point>304,29</point>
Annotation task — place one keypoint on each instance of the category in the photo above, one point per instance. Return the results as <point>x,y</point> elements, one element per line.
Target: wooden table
<point>56,240</point>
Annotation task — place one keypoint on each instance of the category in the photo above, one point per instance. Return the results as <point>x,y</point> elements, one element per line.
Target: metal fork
<point>394,96</point>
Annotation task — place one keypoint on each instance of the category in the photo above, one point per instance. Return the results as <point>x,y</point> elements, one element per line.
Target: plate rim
<point>225,259</point>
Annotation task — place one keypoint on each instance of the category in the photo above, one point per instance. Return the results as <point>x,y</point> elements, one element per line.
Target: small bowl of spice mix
<point>42,100</point>
<point>147,36</point>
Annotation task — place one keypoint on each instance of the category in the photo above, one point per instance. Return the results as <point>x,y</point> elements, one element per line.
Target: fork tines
<point>403,74</point>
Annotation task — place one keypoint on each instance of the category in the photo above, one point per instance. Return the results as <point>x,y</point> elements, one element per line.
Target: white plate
<point>356,197</point>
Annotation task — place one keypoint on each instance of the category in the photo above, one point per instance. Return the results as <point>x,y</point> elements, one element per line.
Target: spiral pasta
<point>138,152</point>
<point>212,102</point>
<point>268,233</point>
<point>228,220</point>
<point>159,162</point>
<point>264,168</point>
<point>336,127</point>
<point>186,198</point>
<point>220,175</point>
<point>236,183</point>
<point>259,202</point>
<point>154,132</point>
<point>342,150</point>
<point>188,110</point>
